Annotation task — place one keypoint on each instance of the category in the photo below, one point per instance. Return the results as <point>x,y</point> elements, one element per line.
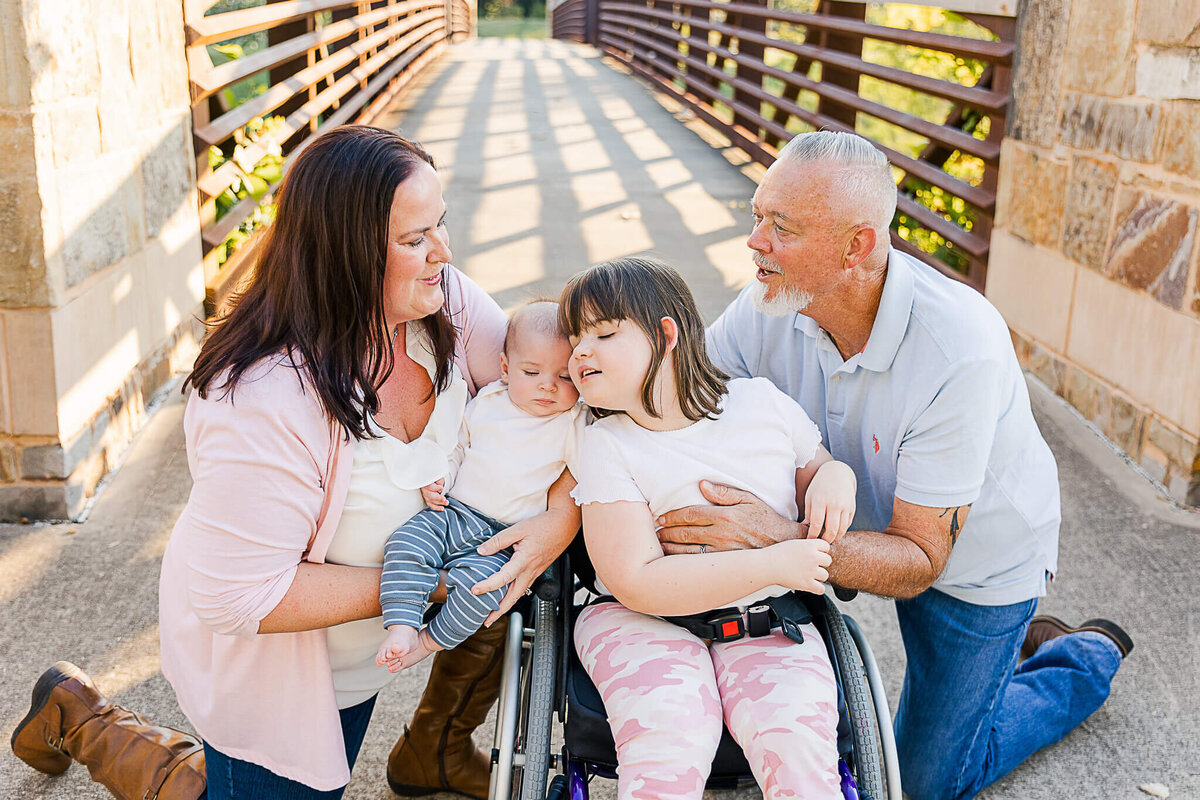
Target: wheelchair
<point>543,679</point>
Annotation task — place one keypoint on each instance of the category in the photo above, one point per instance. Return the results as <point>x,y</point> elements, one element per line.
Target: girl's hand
<point>829,501</point>
<point>801,564</point>
<point>434,495</point>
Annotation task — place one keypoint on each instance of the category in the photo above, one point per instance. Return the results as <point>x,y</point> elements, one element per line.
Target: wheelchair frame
<point>533,688</point>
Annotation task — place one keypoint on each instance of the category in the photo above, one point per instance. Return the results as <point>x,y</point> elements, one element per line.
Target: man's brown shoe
<point>1044,628</point>
<point>69,719</point>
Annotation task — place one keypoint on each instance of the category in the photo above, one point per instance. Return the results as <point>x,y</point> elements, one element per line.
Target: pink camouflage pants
<point>666,692</point>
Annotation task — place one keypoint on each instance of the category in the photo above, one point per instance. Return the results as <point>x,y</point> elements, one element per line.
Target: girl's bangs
<point>590,298</point>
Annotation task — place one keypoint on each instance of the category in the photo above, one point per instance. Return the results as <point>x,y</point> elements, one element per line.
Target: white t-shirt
<point>757,442</point>
<point>507,459</point>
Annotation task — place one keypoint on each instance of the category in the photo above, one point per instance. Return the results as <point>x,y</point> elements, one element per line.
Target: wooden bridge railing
<point>325,63</point>
<point>761,74</point>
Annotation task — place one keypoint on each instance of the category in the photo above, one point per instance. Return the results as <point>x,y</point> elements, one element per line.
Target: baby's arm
<point>434,495</point>
<point>828,488</point>
<point>624,548</point>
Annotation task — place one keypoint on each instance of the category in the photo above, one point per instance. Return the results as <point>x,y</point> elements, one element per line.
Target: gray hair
<point>864,180</point>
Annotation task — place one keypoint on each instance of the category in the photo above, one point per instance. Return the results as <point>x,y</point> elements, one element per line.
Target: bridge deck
<point>552,160</point>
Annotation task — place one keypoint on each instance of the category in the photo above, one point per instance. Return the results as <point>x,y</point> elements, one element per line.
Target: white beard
<point>787,300</point>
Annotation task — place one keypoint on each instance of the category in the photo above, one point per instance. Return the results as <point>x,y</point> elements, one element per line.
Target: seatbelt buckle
<point>758,620</point>
<point>728,628</point>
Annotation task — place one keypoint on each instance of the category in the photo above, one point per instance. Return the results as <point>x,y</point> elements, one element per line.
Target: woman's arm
<point>536,543</point>
<point>322,595</point>
<point>630,561</point>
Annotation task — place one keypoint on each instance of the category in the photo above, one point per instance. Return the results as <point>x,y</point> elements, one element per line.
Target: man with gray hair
<point>912,379</point>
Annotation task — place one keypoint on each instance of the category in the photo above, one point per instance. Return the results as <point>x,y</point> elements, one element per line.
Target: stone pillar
<point>1094,252</point>
<point>100,274</point>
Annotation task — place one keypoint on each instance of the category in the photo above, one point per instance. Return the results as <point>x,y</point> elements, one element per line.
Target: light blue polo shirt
<point>934,411</point>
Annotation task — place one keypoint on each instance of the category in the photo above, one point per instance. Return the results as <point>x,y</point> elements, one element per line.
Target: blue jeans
<point>233,779</point>
<point>968,713</point>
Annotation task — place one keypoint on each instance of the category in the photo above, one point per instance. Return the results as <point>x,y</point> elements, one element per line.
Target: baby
<point>516,437</point>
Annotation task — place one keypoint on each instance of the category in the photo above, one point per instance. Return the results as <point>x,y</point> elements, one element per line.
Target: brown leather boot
<point>435,753</point>
<point>70,719</point>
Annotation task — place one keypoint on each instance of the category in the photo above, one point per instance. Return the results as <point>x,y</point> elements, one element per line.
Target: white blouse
<point>384,492</point>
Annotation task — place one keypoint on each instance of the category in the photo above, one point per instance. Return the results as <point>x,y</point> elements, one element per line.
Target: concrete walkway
<point>552,160</point>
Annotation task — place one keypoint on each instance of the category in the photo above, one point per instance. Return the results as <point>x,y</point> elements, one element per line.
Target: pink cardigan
<point>268,491</point>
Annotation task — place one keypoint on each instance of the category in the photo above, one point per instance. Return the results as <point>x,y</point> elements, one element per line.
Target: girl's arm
<point>624,548</point>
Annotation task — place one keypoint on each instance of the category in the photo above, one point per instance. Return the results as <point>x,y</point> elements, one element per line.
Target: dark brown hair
<point>317,290</point>
<point>644,291</point>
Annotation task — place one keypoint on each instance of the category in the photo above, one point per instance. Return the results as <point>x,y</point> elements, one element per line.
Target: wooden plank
<point>982,49</point>
<point>217,78</point>
<point>230,24</point>
<point>989,151</point>
<point>982,99</point>
<point>223,126</point>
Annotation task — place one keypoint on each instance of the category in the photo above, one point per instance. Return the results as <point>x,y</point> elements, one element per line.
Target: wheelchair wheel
<point>539,704</point>
<point>868,770</point>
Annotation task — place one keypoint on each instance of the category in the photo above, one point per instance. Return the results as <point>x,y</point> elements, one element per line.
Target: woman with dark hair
<point>322,400</point>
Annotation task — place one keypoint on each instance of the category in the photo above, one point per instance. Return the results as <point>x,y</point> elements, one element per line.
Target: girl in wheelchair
<point>667,419</point>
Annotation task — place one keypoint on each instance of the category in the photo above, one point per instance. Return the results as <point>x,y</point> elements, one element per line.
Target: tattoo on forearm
<point>955,525</point>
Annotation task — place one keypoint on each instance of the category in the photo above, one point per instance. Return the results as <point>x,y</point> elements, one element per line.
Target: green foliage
<point>257,161</point>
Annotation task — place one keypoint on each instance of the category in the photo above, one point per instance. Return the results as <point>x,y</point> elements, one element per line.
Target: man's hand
<point>738,520</point>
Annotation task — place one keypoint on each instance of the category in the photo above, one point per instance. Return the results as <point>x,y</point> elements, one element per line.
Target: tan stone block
<point>1152,244</point>
<point>1169,22</point>
<point>1047,367</point>
<point>75,128</point>
<point>1167,74</point>
<point>1135,343</point>
<point>1181,450</point>
<point>1128,129</point>
<point>1181,145</point>
<point>1014,268</point>
<point>1098,47</point>
<point>102,214</point>
<point>22,260</point>
<point>1154,461</point>
<point>167,175</point>
<point>1082,391</point>
<point>62,50</point>
<point>15,75</point>
<point>1030,195</point>
<point>1088,210</point>
<point>8,463</point>
<point>1037,73</point>
<point>1126,422</point>
<point>29,359</point>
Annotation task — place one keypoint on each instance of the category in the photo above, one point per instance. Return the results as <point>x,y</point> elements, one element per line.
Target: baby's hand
<point>401,649</point>
<point>829,502</point>
<point>801,564</point>
<point>433,495</point>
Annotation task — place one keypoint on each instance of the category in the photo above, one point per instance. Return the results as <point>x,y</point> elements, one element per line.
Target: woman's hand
<point>829,501</point>
<point>738,520</point>
<point>536,543</point>
<point>801,564</point>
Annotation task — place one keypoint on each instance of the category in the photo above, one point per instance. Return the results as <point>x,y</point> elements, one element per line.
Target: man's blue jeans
<point>234,779</point>
<point>968,712</point>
